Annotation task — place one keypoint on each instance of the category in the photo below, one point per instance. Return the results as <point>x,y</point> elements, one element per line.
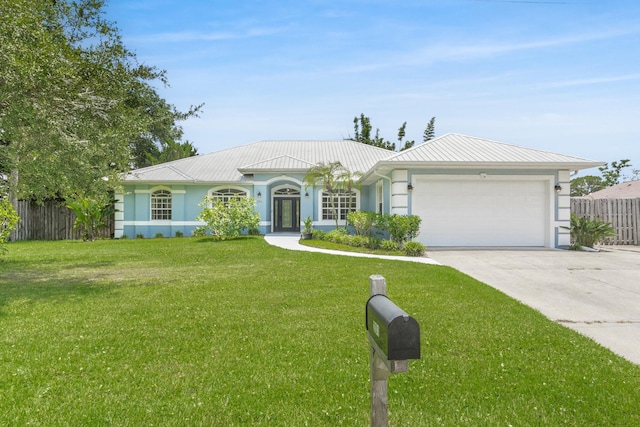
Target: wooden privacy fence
<point>623,214</point>
<point>50,221</point>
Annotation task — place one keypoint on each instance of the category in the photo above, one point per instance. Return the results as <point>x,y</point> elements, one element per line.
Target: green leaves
<point>587,232</point>
<point>73,99</point>
<point>91,215</point>
<point>8,219</point>
<point>228,220</point>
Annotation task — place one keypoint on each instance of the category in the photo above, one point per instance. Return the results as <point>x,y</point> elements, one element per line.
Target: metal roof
<point>229,165</point>
<point>277,164</point>
<point>455,148</point>
<point>450,150</point>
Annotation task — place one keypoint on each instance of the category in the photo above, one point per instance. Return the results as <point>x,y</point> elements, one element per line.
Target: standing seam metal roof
<point>223,166</point>
<point>273,156</point>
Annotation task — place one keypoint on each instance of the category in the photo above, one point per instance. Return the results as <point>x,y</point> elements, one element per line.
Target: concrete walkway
<point>291,242</point>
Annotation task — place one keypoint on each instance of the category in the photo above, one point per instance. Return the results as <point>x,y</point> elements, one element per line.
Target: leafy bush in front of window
<point>228,220</point>
<point>413,249</point>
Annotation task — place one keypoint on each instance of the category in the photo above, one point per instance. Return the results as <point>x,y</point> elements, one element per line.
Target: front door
<point>286,214</point>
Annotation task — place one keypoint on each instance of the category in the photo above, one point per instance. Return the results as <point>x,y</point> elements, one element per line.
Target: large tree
<point>68,110</point>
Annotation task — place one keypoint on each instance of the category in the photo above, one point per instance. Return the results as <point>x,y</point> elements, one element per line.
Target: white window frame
<point>326,214</point>
<point>165,208</point>
<point>228,192</point>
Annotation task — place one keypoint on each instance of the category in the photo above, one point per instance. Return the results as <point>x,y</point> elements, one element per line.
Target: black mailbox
<point>392,330</point>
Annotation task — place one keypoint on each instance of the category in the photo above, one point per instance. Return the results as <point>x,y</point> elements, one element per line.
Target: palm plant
<point>334,178</point>
<point>91,215</point>
<point>587,232</point>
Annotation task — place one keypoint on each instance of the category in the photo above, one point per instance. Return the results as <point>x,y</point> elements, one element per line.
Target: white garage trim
<point>485,210</point>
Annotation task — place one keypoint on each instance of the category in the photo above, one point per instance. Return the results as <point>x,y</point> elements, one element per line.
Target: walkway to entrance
<point>291,241</point>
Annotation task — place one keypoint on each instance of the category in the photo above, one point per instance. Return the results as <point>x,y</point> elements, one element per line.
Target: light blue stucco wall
<point>186,199</point>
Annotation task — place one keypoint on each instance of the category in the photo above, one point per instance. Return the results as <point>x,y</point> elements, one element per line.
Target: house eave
<point>385,167</point>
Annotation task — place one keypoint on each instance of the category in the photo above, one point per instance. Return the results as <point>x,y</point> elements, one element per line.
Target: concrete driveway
<point>596,294</point>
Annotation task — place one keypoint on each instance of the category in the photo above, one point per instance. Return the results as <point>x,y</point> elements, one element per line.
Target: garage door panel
<point>481,213</point>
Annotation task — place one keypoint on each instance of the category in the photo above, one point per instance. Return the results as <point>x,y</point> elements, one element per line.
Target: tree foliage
<point>8,221</point>
<point>228,220</point>
<point>583,185</point>
<point>611,175</point>
<point>69,107</point>
<point>362,128</point>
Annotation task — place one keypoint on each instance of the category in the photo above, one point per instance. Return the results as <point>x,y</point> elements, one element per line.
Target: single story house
<point>468,191</point>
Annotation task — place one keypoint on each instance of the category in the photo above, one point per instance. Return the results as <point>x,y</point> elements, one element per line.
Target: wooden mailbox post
<point>394,338</point>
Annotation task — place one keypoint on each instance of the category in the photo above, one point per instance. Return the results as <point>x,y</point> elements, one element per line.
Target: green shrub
<point>158,235</point>
<point>401,228</point>
<point>587,232</point>
<point>228,220</point>
<point>359,241</point>
<point>179,233</point>
<point>362,222</point>
<point>91,215</point>
<point>199,232</point>
<point>338,235</point>
<point>8,221</point>
<point>373,242</point>
<point>319,235</point>
<point>389,245</point>
<point>139,236</point>
<point>413,249</point>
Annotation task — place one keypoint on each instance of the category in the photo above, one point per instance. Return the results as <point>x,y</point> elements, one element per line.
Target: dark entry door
<point>287,214</point>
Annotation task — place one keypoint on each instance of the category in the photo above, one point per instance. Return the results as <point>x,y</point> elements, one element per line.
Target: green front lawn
<point>193,332</point>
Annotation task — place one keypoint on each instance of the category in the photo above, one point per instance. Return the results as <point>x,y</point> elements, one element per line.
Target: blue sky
<point>561,76</point>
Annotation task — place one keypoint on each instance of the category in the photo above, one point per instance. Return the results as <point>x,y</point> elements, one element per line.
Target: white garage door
<point>481,212</point>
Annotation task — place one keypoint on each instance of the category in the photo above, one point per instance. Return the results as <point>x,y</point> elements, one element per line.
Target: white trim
<point>280,178</point>
<point>164,223</point>
<point>321,221</point>
<point>283,186</point>
<point>118,231</point>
